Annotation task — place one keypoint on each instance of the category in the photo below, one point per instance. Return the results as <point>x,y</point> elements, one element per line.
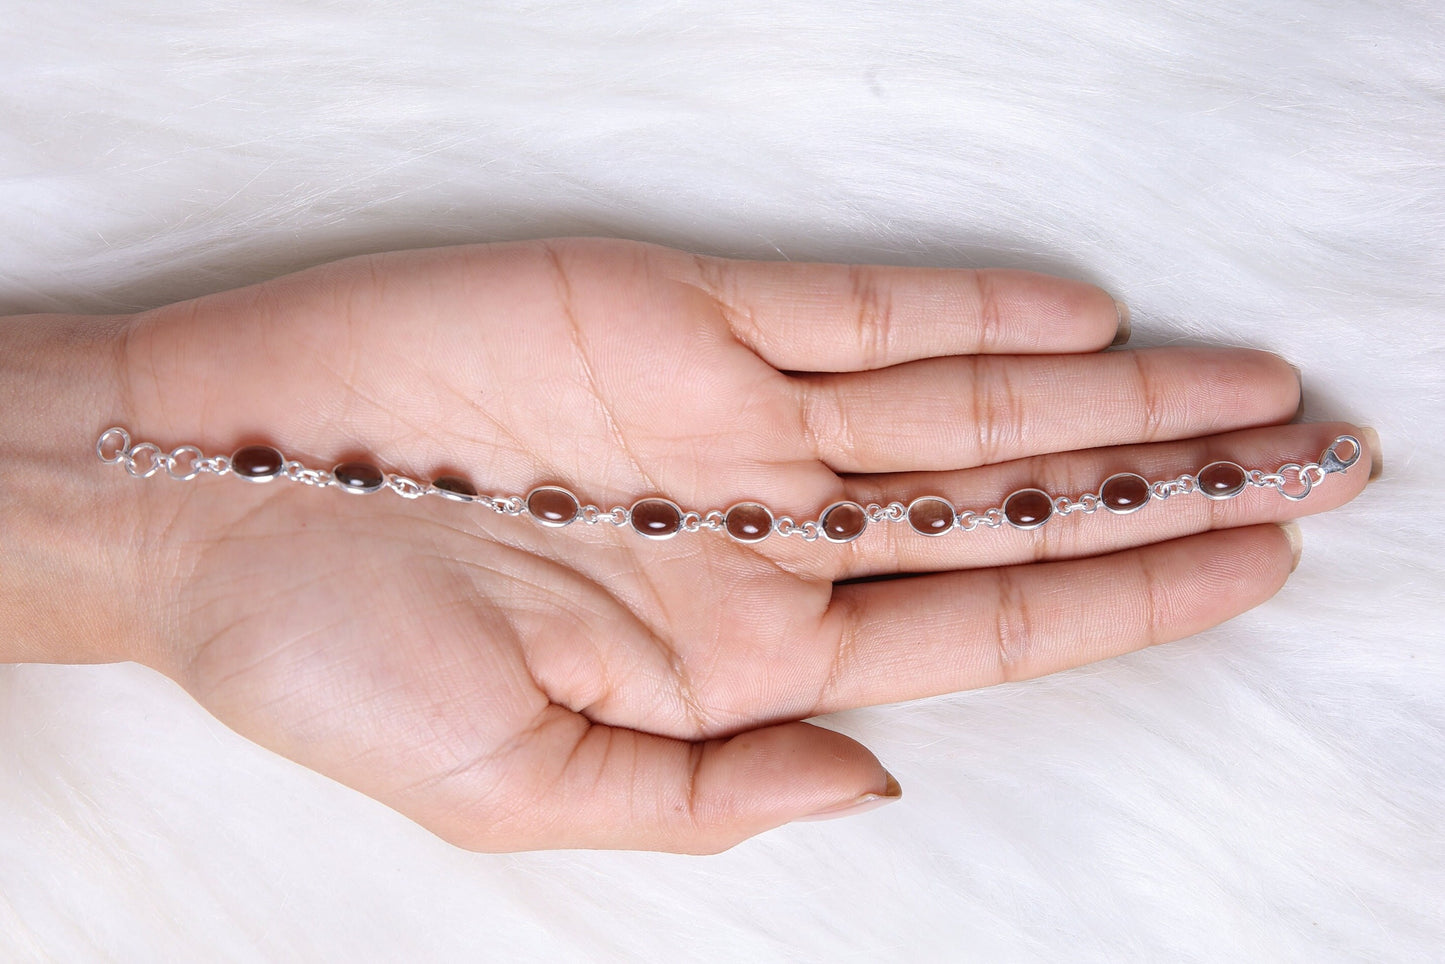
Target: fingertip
<point>862,803</point>
<point>1299,376</point>
<point>1371,438</point>
<point>1296,542</point>
<point>1066,315</point>
<point>1265,383</point>
<point>1223,573</point>
<point>1123,327</point>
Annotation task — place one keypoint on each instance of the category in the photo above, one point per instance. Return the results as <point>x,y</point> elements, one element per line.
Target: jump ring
<point>148,450</point>
<point>1301,475</point>
<point>120,437</point>
<point>178,456</point>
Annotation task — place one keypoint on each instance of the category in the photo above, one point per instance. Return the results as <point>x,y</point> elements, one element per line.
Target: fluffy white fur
<point>1259,174</point>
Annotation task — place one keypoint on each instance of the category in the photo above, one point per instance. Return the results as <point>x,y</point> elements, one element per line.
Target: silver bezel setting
<point>448,494</point>
<point>657,536</point>
<point>1148,493</point>
<point>1027,525</point>
<point>553,523</point>
<point>351,488</point>
<point>1220,497</point>
<point>772,522</point>
<point>823,525</point>
<point>952,516</point>
<point>258,479</point>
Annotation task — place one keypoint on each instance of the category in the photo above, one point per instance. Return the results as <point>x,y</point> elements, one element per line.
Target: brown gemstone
<point>1028,508</point>
<point>656,518</point>
<point>552,506</point>
<point>1124,493</point>
<point>843,522</point>
<point>1221,480</point>
<point>455,487</point>
<point>748,522</point>
<point>257,463</point>
<point>358,477</point>
<point>930,515</point>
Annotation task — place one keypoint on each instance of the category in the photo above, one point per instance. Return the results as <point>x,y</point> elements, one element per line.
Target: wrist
<point>70,583</point>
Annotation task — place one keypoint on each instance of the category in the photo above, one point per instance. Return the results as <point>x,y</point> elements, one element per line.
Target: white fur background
<point>1266,174</point>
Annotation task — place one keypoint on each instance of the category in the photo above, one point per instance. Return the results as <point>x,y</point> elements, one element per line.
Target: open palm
<point>515,686</point>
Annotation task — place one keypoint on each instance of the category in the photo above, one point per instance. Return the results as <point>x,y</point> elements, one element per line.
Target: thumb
<point>621,789</point>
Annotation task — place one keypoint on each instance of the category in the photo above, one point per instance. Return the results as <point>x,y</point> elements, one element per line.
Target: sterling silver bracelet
<point>747,522</point>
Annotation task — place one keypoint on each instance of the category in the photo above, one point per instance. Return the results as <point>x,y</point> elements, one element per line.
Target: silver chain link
<point>1180,485</point>
<point>1088,504</point>
<point>809,531</point>
<point>296,472</point>
<point>177,461</point>
<point>892,512</point>
<point>405,487</point>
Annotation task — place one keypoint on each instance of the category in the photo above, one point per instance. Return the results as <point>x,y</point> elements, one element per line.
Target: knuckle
<point>1054,541</point>
<point>713,278</point>
<point>1154,404</point>
<point>991,333</point>
<point>844,635</point>
<point>998,410</point>
<point>1153,610</point>
<point>826,425</point>
<point>873,321</point>
<point>1014,636</point>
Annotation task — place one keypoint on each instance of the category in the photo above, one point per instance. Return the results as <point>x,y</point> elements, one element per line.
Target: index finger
<point>837,317</point>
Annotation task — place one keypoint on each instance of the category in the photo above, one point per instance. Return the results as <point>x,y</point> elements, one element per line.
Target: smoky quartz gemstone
<point>1221,480</point>
<point>1124,493</point>
<point>455,488</point>
<point>1028,508</point>
<point>656,518</point>
<point>257,463</point>
<point>552,505</point>
<point>358,477</point>
<point>930,515</point>
<point>843,522</point>
<point>748,522</point>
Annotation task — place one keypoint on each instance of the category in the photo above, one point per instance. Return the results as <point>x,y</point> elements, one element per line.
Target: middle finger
<point>953,413</point>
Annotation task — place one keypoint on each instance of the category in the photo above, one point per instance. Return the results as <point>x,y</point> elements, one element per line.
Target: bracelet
<point>747,522</point>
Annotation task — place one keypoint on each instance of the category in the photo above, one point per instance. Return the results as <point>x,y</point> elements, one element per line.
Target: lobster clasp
<point>1331,460</point>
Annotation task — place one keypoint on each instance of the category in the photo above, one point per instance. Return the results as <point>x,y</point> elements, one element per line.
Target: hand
<point>511,686</point>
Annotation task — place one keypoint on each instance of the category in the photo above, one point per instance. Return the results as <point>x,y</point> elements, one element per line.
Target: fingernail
<point>1371,438</point>
<point>861,804</point>
<point>1121,333</point>
<point>1300,378</point>
<point>1296,543</point>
